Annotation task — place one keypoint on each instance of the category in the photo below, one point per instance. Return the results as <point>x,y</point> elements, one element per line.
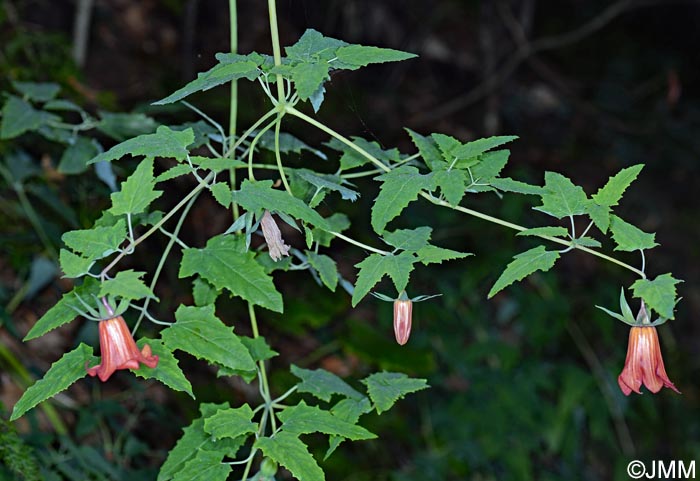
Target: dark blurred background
<point>523,386</point>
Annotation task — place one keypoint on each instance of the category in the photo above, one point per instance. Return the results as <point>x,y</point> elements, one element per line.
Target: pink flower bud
<point>273,237</point>
<point>403,310</point>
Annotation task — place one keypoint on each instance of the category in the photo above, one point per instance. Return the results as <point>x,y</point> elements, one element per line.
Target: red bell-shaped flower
<point>644,363</point>
<point>119,351</point>
<point>403,310</point>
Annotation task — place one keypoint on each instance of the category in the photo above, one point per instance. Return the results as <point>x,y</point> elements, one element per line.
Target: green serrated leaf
<point>410,240</point>
<point>127,285</point>
<point>524,264</point>
<point>356,56</point>
<point>256,196</point>
<point>220,74</point>
<point>376,266</point>
<point>322,384</point>
<point>286,449</point>
<point>74,265</point>
<point>314,46</point>
<point>257,347</point>
<point>76,156</point>
<point>326,268</point>
<point>204,466</point>
<point>199,332</point>
<point>630,238</point>
<point>611,193</point>
<point>428,150</point>
<point>478,147</point>
<point>385,388</point>
<point>37,91</point>
<point>509,185</point>
<point>137,192</point>
<point>60,375</point>
<point>431,254</point>
<point>452,184</point>
<point>348,410</point>
<point>600,215</point>
<point>216,164</point>
<point>18,117</point>
<point>303,419</point>
<point>231,423</point>
<point>308,77</point>
<point>330,182</point>
<point>195,440</point>
<point>553,231</point>
<point>62,313</point>
<point>203,292</point>
<point>226,264</point>
<point>561,198</point>
<point>587,242</point>
<point>489,166</point>
<point>173,172</point>
<point>165,142</point>
<point>447,145</point>
<point>222,193</point>
<point>167,371</point>
<point>97,242</point>
<point>659,294</point>
<point>399,188</point>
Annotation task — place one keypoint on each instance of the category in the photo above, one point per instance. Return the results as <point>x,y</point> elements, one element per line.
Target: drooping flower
<point>644,363</point>
<point>403,310</point>
<point>273,237</point>
<point>119,351</point>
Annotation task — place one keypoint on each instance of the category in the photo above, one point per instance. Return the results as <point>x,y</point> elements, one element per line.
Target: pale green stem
<point>465,210</point>
<point>278,156</point>
<point>233,106</point>
<point>276,51</point>
<point>335,134</point>
<point>520,228</point>
<point>358,243</point>
<point>183,202</point>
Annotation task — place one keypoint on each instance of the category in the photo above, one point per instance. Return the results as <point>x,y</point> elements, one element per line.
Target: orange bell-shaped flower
<point>119,351</point>
<point>644,363</point>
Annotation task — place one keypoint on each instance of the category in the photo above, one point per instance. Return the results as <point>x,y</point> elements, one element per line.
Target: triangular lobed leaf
<point>524,264</point>
<point>226,264</point>
<point>167,371</point>
<point>322,384</point>
<point>288,450</point>
<point>62,313</point>
<point>137,192</point>
<point>610,194</point>
<point>199,332</point>
<point>630,238</point>
<point>165,142</point>
<point>385,388</point>
<point>659,294</point>
<point>60,375</point>
<point>399,188</point>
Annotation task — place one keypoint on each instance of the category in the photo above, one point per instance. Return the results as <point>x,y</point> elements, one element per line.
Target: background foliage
<point>523,386</point>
